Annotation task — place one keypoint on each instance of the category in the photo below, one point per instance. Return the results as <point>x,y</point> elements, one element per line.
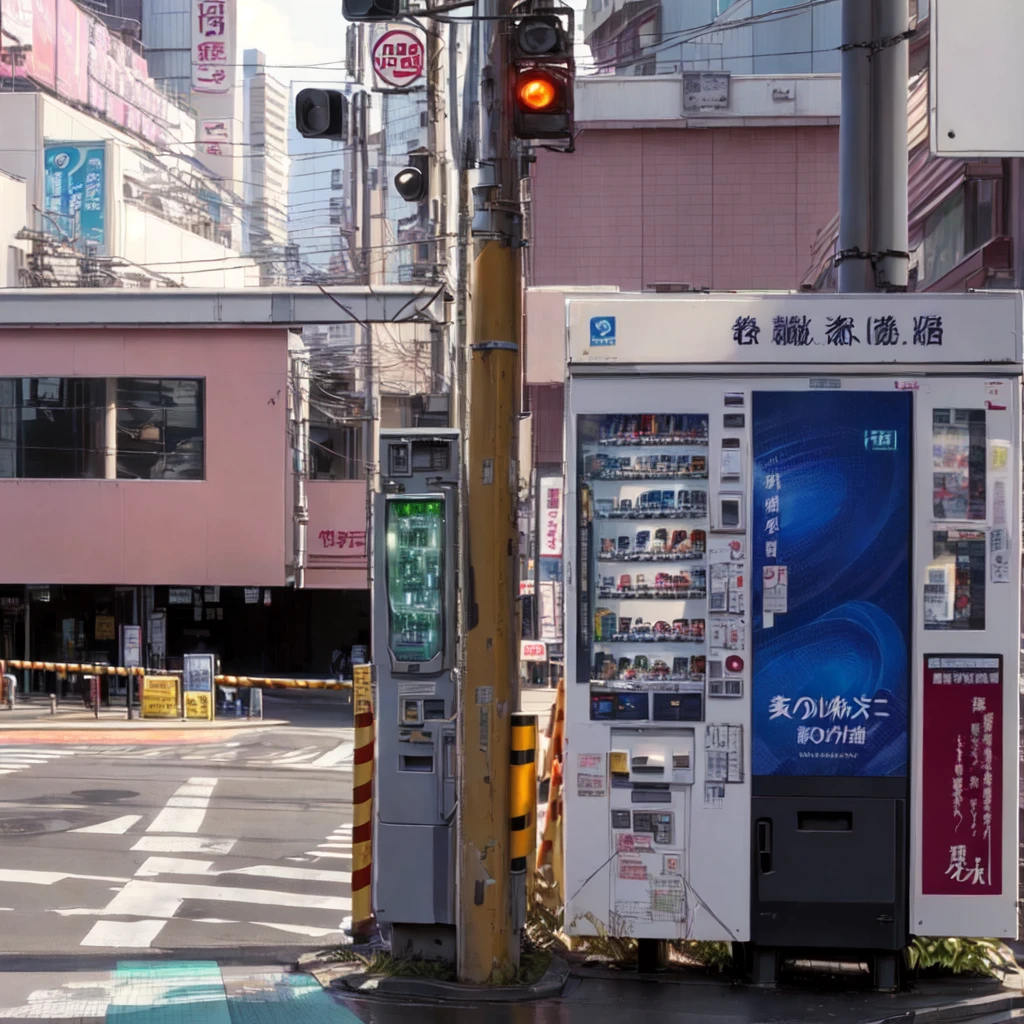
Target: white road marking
<point>184,812</point>
<point>155,866</point>
<point>114,827</point>
<point>324,853</point>
<point>183,844</point>
<point>80,912</point>
<point>28,877</point>
<point>123,934</point>
<point>297,929</point>
<point>303,874</point>
<point>342,752</point>
<point>163,899</point>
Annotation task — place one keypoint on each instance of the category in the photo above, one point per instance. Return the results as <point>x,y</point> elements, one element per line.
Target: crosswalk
<point>334,757</point>
<point>16,758</point>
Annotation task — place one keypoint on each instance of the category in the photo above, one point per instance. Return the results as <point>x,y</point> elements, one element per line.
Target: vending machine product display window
<point>644,578</point>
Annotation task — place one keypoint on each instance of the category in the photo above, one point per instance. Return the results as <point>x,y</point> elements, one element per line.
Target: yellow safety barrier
<point>62,666</point>
<point>284,684</point>
<point>362,804</point>
<point>523,791</point>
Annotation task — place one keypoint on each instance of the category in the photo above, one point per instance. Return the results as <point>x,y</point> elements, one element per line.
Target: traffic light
<point>412,182</point>
<point>322,114</point>
<point>370,10</point>
<point>542,78</point>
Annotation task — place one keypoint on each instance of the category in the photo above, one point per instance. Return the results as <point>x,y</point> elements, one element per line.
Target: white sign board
<point>781,329</point>
<point>976,88</point>
<point>131,646</point>
<point>533,650</point>
<point>550,517</point>
<point>213,45</point>
<point>705,90</point>
<point>215,137</point>
<point>398,59</point>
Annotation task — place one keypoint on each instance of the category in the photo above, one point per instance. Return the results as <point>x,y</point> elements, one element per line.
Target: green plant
<point>706,952</point>
<point>985,957</point>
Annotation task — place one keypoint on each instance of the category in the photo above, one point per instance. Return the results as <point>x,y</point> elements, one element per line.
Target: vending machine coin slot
<point>661,826</point>
<point>412,712</point>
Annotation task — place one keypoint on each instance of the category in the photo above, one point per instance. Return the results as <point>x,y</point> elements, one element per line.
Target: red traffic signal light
<point>542,101</point>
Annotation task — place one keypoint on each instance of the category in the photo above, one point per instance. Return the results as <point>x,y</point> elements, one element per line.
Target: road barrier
<point>522,809</point>
<point>549,854</point>
<point>362,804</point>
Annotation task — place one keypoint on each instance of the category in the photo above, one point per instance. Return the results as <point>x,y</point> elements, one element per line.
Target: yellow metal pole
<point>488,947</point>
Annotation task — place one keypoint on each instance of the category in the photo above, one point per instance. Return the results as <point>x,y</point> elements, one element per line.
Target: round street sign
<point>398,58</point>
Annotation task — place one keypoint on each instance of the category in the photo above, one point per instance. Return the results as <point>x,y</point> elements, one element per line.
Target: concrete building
<point>156,504</point>
<point>759,37</point>
<point>657,198</point>
<point>266,113</point>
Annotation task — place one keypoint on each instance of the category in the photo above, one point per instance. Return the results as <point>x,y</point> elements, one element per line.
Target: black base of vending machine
<point>829,863</point>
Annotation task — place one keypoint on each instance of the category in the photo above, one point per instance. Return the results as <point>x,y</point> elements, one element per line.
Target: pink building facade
<point>148,478</point>
<point>658,196</point>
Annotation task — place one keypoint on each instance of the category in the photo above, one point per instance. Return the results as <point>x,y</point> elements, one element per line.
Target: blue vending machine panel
<point>831,539</point>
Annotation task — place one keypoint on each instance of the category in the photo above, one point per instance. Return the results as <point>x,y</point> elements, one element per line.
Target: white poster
<point>131,646</point>
<point>158,634</point>
<point>775,588</point>
<point>213,45</point>
<point>548,601</point>
<point>550,517</point>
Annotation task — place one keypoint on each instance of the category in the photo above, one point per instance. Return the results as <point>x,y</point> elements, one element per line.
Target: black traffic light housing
<point>370,10</point>
<point>542,73</point>
<point>412,182</point>
<point>322,114</point>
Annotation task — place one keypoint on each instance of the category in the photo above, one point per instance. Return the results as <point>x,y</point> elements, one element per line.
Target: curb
<point>965,1010</point>
<point>60,724</point>
<point>549,987</point>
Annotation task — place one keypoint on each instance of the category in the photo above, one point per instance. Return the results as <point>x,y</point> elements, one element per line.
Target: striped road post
<point>522,810</point>
<point>362,804</point>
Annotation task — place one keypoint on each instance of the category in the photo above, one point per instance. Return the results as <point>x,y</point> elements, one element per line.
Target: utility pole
<point>873,240</point>
<point>487,943</point>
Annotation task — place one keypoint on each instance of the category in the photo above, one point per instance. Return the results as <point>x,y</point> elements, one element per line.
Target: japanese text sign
<point>213,35</point>
<point>551,517</point>
<point>215,136</point>
<point>398,57</point>
<point>74,193</point>
<point>962,768</point>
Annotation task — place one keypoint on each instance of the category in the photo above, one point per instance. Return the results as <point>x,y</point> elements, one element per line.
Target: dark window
<point>159,429</point>
<point>51,427</point>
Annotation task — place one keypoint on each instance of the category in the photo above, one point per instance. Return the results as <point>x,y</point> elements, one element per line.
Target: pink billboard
<point>41,63</point>
<point>16,23</point>
<point>72,51</point>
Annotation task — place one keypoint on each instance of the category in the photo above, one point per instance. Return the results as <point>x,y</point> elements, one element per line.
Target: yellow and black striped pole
<point>362,803</point>
<point>523,796</point>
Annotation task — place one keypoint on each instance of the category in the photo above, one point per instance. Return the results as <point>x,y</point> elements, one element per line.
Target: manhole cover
<point>104,796</point>
<point>33,826</point>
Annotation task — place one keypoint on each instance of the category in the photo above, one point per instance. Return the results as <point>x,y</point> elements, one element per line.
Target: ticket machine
<point>793,606</point>
<point>415,517</point>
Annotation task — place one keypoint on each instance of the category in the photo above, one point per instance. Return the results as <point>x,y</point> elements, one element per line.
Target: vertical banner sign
<point>551,517</point>
<point>213,34</point>
<point>962,768</point>
<point>131,646</point>
<point>830,532</point>
<point>398,59</point>
<point>41,63</point>
<point>197,679</point>
<point>74,193</point>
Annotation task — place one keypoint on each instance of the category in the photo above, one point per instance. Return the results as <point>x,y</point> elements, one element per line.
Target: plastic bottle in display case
<point>415,578</point>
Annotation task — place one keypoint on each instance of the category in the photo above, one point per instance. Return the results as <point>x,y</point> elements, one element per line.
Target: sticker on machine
<point>775,589</point>
<point>589,784</point>
<point>630,842</point>
<point>632,869</point>
<point>589,760</point>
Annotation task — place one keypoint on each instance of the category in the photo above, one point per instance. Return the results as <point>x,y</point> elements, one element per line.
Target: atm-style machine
<point>793,610</point>
<point>415,518</point>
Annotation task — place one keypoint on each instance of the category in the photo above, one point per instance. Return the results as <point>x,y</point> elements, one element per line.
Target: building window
<point>159,429</point>
<point>336,452</point>
<point>943,243</point>
<point>58,428</point>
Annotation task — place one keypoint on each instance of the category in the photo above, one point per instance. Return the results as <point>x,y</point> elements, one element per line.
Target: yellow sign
<point>159,697</point>
<point>198,705</point>
<point>362,687</point>
<point>105,627</point>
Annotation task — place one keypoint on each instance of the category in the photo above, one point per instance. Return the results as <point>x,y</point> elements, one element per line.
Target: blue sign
<point>75,194</point>
<point>831,538</point>
<point>602,331</point>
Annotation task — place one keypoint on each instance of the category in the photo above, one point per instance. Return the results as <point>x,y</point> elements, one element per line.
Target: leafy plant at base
<point>985,957</point>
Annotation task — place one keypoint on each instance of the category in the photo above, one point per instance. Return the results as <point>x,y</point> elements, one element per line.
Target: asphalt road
<point>148,883</point>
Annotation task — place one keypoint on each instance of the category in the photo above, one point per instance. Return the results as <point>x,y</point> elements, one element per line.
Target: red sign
<point>533,650</point>
<point>398,58</point>
<point>962,771</point>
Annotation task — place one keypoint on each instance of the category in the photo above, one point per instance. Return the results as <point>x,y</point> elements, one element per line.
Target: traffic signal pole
<point>487,936</point>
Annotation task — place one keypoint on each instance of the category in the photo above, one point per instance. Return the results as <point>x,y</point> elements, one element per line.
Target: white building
<point>265,160</point>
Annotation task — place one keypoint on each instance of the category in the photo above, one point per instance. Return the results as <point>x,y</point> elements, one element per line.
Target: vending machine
<point>415,561</point>
<point>792,618</point>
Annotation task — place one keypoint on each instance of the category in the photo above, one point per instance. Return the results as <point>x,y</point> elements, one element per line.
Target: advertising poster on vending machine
<point>831,635</point>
